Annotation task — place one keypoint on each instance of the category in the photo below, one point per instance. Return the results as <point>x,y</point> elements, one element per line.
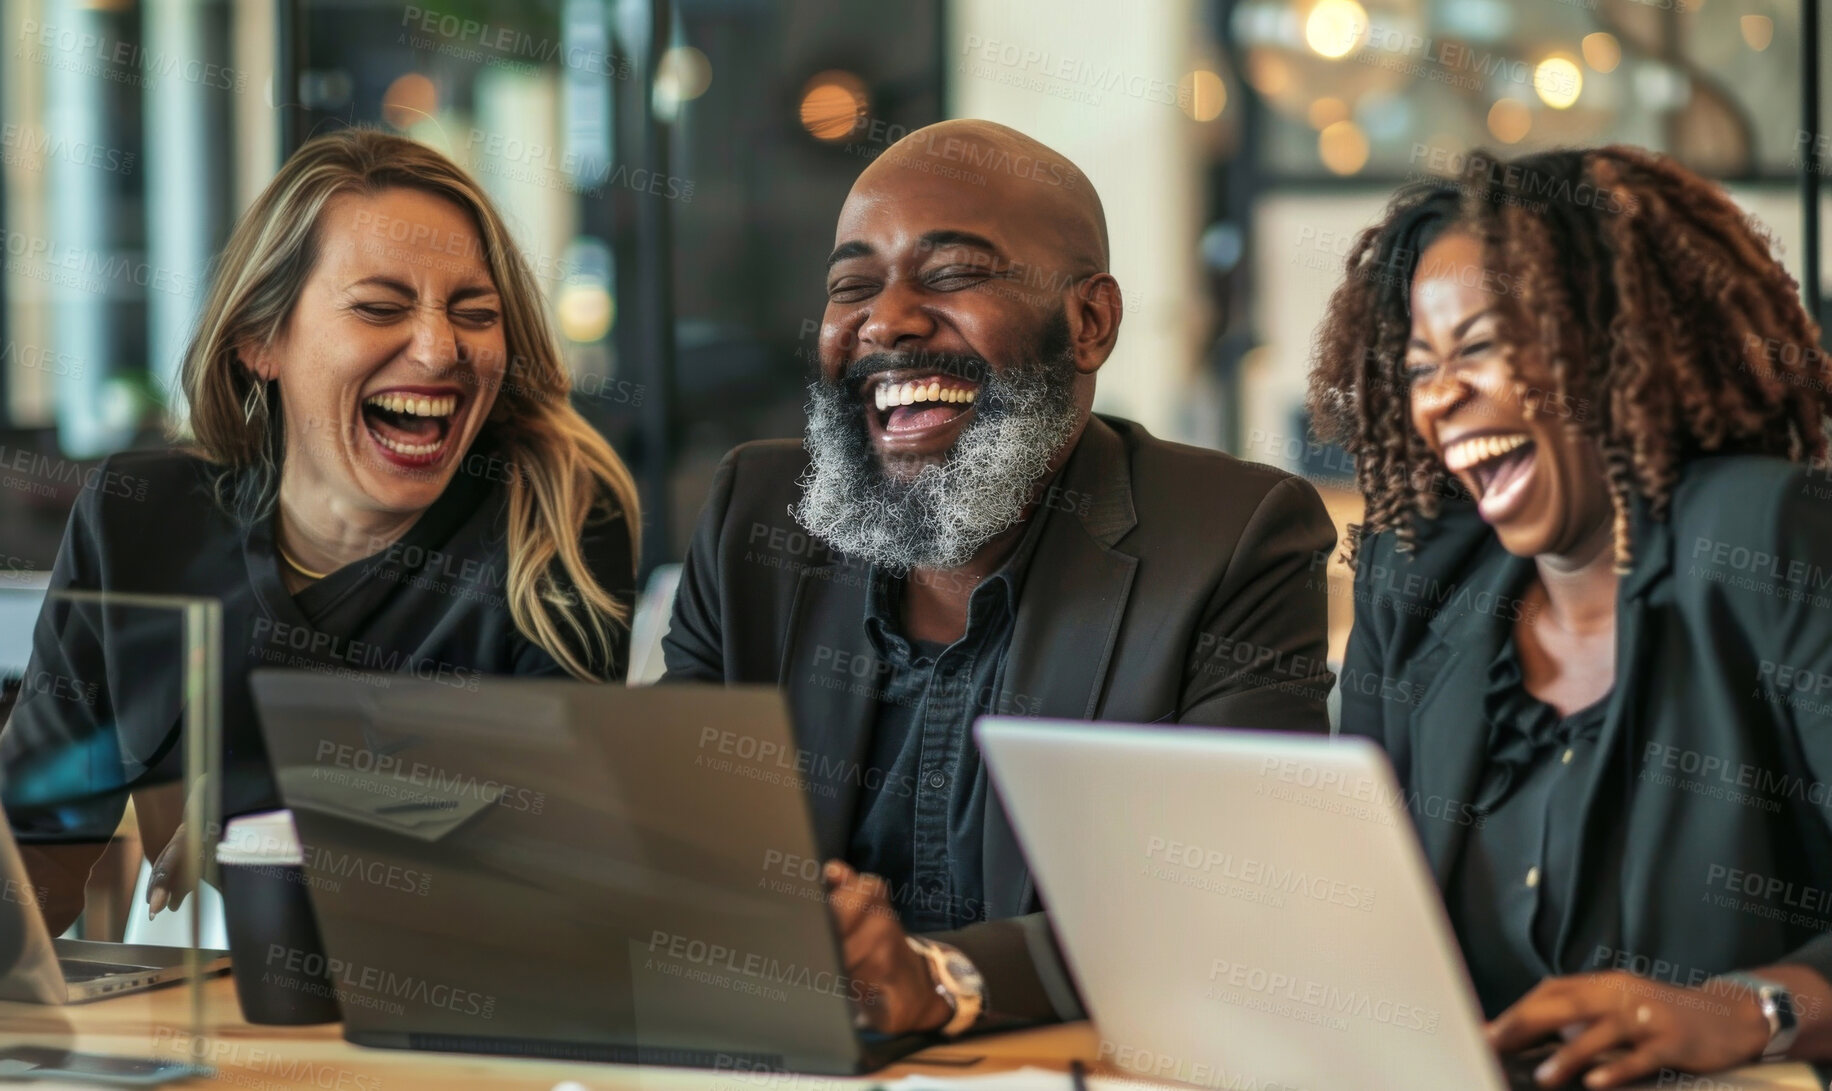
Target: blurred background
<point>673,169</point>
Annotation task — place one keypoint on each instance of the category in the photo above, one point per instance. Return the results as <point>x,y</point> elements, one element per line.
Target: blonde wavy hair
<point>561,470</point>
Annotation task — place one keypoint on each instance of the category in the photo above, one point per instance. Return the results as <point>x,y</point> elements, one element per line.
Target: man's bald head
<point>985,165</point>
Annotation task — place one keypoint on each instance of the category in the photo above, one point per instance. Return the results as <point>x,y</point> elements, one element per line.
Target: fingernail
<point>1545,1071</point>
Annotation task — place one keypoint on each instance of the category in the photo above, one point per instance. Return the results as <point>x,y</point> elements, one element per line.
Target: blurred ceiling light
<point>1202,94</point>
<point>1326,111</point>
<point>1509,120</point>
<point>682,75</point>
<point>1758,31</point>
<point>1559,81</point>
<point>1343,147</point>
<point>832,104</point>
<point>585,311</point>
<point>1602,52</point>
<point>409,99</point>
<point>1269,73</point>
<point>1335,28</point>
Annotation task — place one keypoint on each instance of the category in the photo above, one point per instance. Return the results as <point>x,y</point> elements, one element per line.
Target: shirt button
<point>1566,759</point>
<point>937,780</point>
<point>1533,876</point>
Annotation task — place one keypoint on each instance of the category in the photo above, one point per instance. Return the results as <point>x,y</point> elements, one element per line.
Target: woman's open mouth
<point>1499,465</point>
<point>914,409</point>
<point>410,428</point>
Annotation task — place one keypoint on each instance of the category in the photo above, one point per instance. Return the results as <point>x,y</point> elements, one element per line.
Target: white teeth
<point>891,395</point>
<point>411,450</point>
<point>443,406</point>
<point>1463,454</point>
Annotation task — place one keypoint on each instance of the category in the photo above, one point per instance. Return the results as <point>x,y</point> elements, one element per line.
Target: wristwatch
<point>956,979</point>
<point>1777,1007</point>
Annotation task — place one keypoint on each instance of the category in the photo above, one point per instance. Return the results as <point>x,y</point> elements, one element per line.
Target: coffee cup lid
<point>268,838</point>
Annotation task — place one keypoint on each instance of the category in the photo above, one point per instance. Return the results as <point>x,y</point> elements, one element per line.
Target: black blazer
<point>1706,832</point>
<point>1170,584</point>
<point>106,684</point>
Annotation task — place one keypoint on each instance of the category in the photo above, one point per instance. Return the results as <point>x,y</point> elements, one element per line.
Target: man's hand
<point>897,990</point>
<point>1651,1024</point>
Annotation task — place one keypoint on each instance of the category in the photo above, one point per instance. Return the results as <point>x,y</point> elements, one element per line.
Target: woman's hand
<point>896,989</point>
<point>1649,1025</point>
<point>174,876</point>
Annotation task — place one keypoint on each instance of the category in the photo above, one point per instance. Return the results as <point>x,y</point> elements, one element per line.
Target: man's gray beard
<point>952,507</point>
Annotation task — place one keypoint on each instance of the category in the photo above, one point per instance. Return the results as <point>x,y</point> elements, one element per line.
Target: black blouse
<point>103,707</point>
<point>1506,917</point>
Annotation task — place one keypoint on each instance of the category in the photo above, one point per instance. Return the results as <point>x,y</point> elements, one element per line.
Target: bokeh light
<point>1335,28</point>
<point>1559,81</point>
<point>1509,120</point>
<point>1602,52</point>
<point>1326,111</point>
<point>1202,94</point>
<point>409,99</point>
<point>1343,147</point>
<point>585,311</point>
<point>1758,31</point>
<point>833,103</point>
<point>682,75</point>
<point>1269,73</point>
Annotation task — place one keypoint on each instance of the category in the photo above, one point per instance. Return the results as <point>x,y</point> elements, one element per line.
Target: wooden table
<point>157,1024</point>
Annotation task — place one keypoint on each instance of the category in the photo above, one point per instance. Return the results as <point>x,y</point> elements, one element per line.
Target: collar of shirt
<point>884,628</point>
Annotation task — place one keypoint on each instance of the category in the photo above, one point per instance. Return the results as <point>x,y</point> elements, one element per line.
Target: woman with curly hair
<point>1593,601</point>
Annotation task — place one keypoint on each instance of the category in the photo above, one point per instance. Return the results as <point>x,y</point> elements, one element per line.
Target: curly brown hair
<point>1653,298</point>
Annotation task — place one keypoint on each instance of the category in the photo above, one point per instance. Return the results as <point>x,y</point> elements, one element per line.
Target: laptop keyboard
<point>79,970</point>
<point>1519,1070</point>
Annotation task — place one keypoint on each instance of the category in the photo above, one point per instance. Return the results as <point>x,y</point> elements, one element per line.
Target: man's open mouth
<point>908,403</point>
<point>409,427</point>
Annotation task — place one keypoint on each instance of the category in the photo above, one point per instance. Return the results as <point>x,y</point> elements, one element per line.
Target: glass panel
<point>110,766</point>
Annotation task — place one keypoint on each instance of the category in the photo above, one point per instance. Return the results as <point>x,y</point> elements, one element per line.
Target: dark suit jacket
<point>1170,585</point>
<point>1706,841</point>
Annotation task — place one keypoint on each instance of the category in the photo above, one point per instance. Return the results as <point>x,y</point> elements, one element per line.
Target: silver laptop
<point>1243,909</point>
<point>37,969</point>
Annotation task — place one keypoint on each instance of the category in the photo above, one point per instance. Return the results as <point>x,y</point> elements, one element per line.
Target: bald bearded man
<point>958,535</point>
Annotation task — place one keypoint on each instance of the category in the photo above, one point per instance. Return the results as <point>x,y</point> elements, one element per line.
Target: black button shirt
<point>920,822</point>
<point>1505,899</point>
